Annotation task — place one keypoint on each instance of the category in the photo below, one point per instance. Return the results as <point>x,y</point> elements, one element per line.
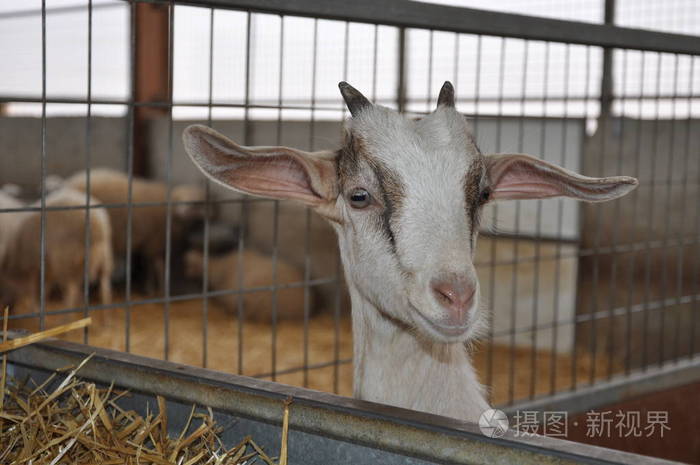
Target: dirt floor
<point>510,374</point>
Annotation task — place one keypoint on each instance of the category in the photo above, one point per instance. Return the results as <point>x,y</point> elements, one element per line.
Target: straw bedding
<point>77,422</point>
<point>225,349</point>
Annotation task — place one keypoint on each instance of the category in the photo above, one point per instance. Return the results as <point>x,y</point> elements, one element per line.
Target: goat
<point>404,197</point>
<point>65,250</point>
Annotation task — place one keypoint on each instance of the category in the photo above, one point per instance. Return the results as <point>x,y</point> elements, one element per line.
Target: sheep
<point>12,190</point>
<point>404,197</point>
<point>9,221</point>
<point>258,269</point>
<point>149,223</point>
<point>64,250</point>
<point>322,257</point>
<point>53,182</point>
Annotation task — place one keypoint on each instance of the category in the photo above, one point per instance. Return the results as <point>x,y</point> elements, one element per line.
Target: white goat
<point>404,197</point>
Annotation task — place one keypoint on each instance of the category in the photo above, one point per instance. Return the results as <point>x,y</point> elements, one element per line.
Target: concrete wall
<point>21,147</point>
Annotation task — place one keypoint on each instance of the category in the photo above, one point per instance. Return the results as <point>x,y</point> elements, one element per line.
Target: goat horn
<point>353,98</point>
<point>447,95</point>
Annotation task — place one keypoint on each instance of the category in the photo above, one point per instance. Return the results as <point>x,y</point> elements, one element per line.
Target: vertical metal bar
<point>635,207</point>
<point>375,56</point>
<point>696,242</point>
<point>42,245</point>
<point>665,245</point>
<point>338,270</point>
<point>612,297</point>
<point>477,85</point>
<point>606,85</point>
<point>602,130</point>
<point>455,76</point>
<point>494,218</point>
<point>516,240</point>
<point>169,182</point>
<point>681,230</point>
<point>586,98</point>
<point>560,223</point>
<point>88,164</point>
<point>307,236</point>
<point>275,255</point>
<point>430,71</point>
<point>336,323</point>
<point>275,222</point>
<point>130,178</point>
<point>696,233</point>
<point>247,137</point>
<point>207,199</point>
<point>650,219</point>
<point>538,232</point>
<point>401,78</point>
<point>307,290</point>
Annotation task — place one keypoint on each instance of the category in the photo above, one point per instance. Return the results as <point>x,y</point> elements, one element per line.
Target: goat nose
<point>455,295</point>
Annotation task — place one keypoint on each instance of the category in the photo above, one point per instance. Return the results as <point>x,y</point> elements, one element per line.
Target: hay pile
<point>80,423</point>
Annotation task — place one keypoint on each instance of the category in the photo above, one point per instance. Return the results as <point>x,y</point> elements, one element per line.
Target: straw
<point>40,336</point>
<point>81,423</point>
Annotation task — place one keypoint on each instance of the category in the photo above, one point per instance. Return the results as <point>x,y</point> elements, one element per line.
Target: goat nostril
<point>455,296</point>
<point>443,296</point>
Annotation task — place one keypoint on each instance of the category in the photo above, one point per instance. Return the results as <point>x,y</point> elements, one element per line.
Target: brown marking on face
<point>473,192</point>
<point>348,158</point>
<point>391,190</point>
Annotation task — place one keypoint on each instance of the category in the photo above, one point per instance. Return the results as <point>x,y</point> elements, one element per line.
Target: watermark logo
<point>493,423</point>
<point>606,423</point>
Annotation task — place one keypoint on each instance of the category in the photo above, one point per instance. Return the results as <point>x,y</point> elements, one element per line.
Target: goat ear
<point>517,176</point>
<point>272,172</point>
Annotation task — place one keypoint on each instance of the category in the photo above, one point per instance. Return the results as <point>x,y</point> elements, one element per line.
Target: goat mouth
<point>445,330</point>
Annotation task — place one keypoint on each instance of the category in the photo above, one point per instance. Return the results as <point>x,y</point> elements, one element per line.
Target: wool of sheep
<point>258,273</point>
<point>64,251</point>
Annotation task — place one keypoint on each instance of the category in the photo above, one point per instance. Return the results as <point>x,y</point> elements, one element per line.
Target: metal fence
<point>579,294</point>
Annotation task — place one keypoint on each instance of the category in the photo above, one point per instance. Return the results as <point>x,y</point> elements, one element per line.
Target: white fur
<point>399,357</point>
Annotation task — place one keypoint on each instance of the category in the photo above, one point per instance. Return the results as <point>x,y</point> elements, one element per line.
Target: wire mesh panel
<point>577,293</point>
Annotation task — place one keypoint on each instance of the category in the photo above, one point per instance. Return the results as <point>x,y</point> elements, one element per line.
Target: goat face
<point>405,197</point>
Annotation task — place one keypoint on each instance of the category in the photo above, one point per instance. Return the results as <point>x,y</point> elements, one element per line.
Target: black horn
<point>353,98</point>
<point>447,95</point>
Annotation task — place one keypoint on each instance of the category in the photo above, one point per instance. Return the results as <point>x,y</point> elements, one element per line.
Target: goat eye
<point>485,195</point>
<point>359,198</point>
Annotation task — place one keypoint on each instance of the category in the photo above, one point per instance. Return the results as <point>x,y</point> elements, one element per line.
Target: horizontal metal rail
<point>28,13</point>
<point>330,104</point>
<point>402,13</point>
<point>382,427</point>
<point>181,298</point>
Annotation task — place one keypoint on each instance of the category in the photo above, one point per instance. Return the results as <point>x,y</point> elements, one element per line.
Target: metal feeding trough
<point>324,428</point>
